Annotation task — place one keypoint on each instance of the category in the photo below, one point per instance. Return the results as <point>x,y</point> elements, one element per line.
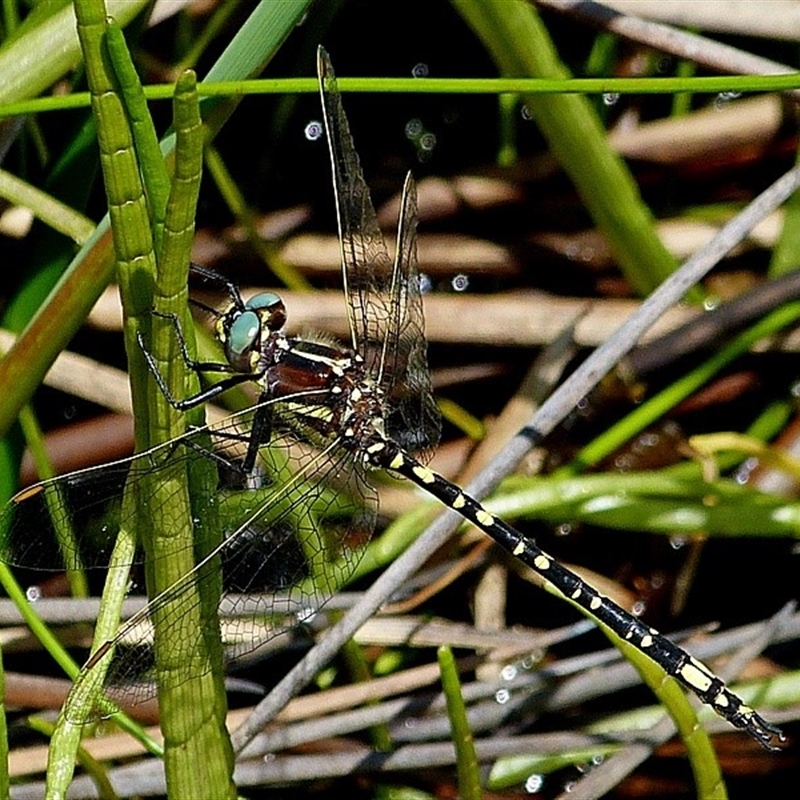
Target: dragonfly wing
<point>69,522</point>
<point>72,521</point>
<point>366,266</point>
<point>414,421</point>
<point>289,543</point>
<point>383,297</point>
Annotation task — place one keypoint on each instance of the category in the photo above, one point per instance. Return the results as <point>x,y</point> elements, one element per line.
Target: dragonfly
<point>352,410</point>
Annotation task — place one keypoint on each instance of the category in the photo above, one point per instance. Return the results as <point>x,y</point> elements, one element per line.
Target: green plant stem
<point>92,766</point>
<point>189,658</point>
<point>45,207</point>
<point>531,86</point>
<point>469,783</point>
<point>136,264</point>
<point>520,45</point>
<point>154,171</point>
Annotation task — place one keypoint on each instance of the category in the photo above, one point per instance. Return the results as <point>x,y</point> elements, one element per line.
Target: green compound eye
<point>243,334</point>
<point>262,301</point>
<point>270,309</point>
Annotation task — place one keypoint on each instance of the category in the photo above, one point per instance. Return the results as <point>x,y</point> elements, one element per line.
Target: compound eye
<point>270,309</point>
<point>243,336</point>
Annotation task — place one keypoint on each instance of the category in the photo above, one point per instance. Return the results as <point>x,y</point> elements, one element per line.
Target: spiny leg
<point>202,396</point>
<point>192,364</point>
<point>214,278</point>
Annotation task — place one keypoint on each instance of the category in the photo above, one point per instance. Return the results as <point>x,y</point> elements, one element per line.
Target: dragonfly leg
<point>201,397</point>
<point>260,435</point>
<point>195,366</point>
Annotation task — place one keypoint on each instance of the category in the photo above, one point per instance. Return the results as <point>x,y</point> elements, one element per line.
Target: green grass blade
<point>702,757</point>
<point>469,782</point>
<point>284,272</point>
<point>703,760</point>
<point>45,207</point>
<point>656,406</point>
<point>65,534</point>
<point>45,47</point>
<point>90,271</point>
<point>786,253</point>
<point>92,766</point>
<point>520,45</point>
<point>4,776</point>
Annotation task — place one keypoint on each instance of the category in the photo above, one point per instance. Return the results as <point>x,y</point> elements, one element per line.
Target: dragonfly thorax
<point>328,390</point>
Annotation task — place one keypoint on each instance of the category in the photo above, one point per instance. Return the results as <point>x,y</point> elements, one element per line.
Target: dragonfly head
<point>243,331</point>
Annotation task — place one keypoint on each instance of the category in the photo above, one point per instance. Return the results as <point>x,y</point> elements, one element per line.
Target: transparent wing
<point>366,266</point>
<point>414,421</point>
<point>292,532</point>
<point>383,298</point>
<point>288,546</point>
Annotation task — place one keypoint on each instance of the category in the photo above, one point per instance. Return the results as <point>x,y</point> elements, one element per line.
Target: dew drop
<point>677,542</point>
<point>664,65</point>
<point>723,98</point>
<point>420,70</point>
<point>610,98</point>
<point>413,128</point>
<point>33,593</point>
<point>425,283</point>
<point>534,784</point>
<point>509,672</point>
<point>657,581</point>
<point>313,130</point>
<point>460,283</point>
<point>305,615</point>
<point>427,142</point>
